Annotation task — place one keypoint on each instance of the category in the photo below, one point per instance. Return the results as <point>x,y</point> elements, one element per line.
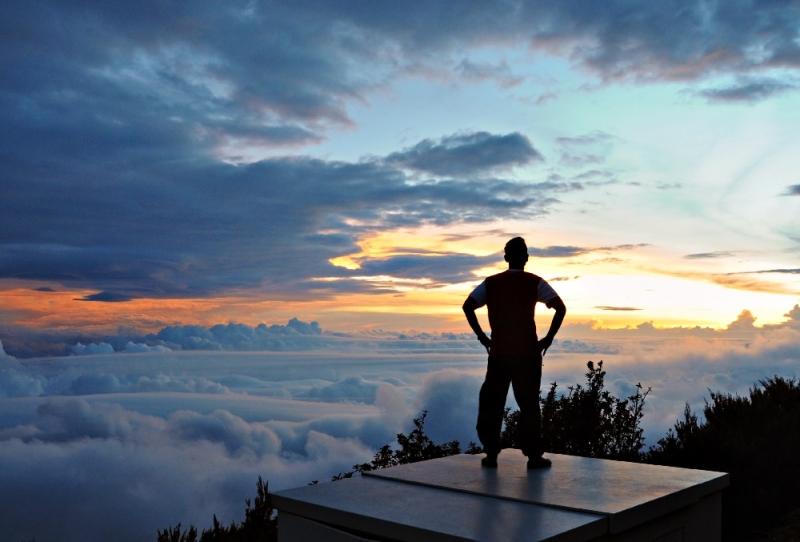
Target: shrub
<point>588,421</point>
<point>754,438</point>
<point>259,525</point>
<point>413,447</point>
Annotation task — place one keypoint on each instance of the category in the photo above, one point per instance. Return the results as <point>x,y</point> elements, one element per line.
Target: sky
<point>235,238</point>
<point>363,165</point>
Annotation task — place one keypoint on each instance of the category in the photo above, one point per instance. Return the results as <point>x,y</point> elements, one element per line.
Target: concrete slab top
<point>401,511</point>
<point>629,493</point>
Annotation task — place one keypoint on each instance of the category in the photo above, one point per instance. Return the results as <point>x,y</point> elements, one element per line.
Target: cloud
<point>710,255</point>
<point>295,334</point>
<point>131,346</point>
<point>568,251</point>
<point>3,354</point>
<point>585,149</point>
<point>744,321</point>
<point>348,389</point>
<point>255,240</point>
<point>193,453</point>
<point>451,399</point>
<point>792,190</point>
<point>562,279</point>
<point>557,251</point>
<point>469,154</point>
<point>76,454</point>
<point>148,115</point>
<point>615,308</point>
<point>81,349</point>
<point>747,90</point>
<point>482,71</point>
<point>110,297</point>
<point>785,270</point>
<point>439,268</point>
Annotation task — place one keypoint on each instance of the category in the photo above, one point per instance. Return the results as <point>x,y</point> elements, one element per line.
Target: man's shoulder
<point>509,274</point>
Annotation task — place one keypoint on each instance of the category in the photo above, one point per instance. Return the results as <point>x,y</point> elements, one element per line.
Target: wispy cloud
<point>108,297</point>
<point>483,71</point>
<point>710,255</point>
<point>748,90</point>
<point>586,149</point>
<point>785,270</point>
<point>792,190</point>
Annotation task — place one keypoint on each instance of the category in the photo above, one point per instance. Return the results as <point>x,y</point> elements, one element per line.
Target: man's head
<point>516,252</point>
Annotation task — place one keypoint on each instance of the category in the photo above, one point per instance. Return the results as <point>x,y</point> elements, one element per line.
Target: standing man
<point>515,352</point>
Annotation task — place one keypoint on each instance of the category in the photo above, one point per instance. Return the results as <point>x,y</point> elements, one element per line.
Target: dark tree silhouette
<point>413,447</point>
<point>756,439</point>
<point>588,421</point>
<point>260,524</point>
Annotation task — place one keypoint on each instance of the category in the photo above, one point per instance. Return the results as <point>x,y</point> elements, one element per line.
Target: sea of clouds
<point>116,444</point>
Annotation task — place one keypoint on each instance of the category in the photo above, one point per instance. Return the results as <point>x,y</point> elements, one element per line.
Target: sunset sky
<point>235,237</point>
<point>363,166</point>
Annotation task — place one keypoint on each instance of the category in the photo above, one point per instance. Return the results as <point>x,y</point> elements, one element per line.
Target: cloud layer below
<point>179,436</point>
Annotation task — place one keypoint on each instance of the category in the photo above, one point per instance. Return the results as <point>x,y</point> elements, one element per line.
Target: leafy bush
<point>754,438</point>
<point>588,421</point>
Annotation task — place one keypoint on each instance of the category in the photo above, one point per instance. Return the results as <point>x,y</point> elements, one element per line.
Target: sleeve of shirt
<point>545,293</point>
<point>479,294</point>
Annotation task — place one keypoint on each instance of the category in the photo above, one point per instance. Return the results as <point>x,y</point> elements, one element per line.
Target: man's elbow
<point>469,305</point>
<point>559,306</point>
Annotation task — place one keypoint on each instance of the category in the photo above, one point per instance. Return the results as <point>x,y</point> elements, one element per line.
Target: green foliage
<point>588,421</point>
<point>259,525</point>
<point>754,438</point>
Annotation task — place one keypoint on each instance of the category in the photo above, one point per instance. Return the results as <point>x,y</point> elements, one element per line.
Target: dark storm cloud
<point>115,117</point>
<point>748,90</point>
<point>467,154</point>
<point>206,227</point>
<point>650,41</point>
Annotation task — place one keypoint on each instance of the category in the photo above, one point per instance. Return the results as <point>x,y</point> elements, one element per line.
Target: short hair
<point>516,249</point>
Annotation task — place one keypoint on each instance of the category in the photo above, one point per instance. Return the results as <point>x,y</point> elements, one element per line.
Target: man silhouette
<point>515,353</point>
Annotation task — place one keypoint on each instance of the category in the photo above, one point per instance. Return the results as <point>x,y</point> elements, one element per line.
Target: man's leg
<point>491,405</point>
<point>526,379</point>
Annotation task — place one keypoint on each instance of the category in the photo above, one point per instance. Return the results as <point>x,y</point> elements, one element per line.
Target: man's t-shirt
<point>511,297</point>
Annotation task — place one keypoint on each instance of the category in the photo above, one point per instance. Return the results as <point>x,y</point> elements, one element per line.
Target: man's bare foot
<point>538,462</point>
<point>490,461</point>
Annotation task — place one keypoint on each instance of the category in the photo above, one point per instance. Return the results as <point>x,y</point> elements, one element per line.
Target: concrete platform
<point>453,498</point>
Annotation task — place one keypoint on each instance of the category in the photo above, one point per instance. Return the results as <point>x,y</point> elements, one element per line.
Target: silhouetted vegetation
<point>413,447</point>
<point>260,524</point>
<point>588,421</point>
<point>756,439</point>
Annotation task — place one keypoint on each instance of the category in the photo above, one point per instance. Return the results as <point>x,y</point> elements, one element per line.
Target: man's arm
<point>469,311</point>
<point>561,311</point>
